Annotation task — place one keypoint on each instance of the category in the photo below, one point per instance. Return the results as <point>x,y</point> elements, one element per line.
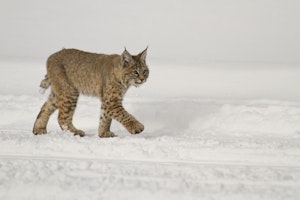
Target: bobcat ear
<point>143,55</point>
<point>126,57</point>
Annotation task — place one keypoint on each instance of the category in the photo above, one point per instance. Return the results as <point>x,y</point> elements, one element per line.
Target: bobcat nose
<point>142,79</point>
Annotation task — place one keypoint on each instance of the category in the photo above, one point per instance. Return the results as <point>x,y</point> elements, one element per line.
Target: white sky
<point>219,30</point>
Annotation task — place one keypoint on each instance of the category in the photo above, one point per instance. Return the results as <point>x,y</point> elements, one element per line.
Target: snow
<point>212,131</point>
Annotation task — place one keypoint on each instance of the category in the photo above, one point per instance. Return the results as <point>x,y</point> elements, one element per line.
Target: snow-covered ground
<point>212,131</point>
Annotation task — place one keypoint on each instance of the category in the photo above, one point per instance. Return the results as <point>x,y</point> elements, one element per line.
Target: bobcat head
<point>134,68</point>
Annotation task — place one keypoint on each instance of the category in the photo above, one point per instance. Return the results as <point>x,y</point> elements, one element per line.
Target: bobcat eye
<point>136,73</point>
<point>146,72</point>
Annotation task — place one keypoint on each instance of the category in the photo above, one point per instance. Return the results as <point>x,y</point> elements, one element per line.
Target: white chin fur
<point>136,85</point>
<point>133,83</point>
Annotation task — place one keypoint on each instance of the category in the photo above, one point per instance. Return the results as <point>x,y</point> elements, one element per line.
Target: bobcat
<point>71,72</point>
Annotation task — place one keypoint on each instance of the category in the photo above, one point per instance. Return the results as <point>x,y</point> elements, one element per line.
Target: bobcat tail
<point>45,84</point>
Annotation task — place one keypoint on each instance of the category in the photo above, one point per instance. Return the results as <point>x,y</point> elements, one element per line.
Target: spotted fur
<point>72,72</point>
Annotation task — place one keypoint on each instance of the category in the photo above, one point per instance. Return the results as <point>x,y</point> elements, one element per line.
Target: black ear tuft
<point>143,55</point>
<point>126,57</point>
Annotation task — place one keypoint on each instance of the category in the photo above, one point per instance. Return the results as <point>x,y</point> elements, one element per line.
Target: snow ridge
<point>202,148</point>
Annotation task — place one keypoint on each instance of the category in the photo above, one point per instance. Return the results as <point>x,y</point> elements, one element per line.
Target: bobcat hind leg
<point>67,96</point>
<point>43,117</point>
<point>66,106</point>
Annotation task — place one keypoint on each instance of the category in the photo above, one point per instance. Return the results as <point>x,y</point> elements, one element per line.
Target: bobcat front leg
<point>104,126</point>
<point>114,109</point>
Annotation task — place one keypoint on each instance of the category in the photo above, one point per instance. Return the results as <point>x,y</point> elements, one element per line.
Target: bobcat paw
<point>39,131</point>
<point>72,129</point>
<point>106,134</point>
<point>134,127</point>
<point>79,132</point>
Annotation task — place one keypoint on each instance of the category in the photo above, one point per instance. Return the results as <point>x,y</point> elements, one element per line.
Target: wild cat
<point>72,72</point>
